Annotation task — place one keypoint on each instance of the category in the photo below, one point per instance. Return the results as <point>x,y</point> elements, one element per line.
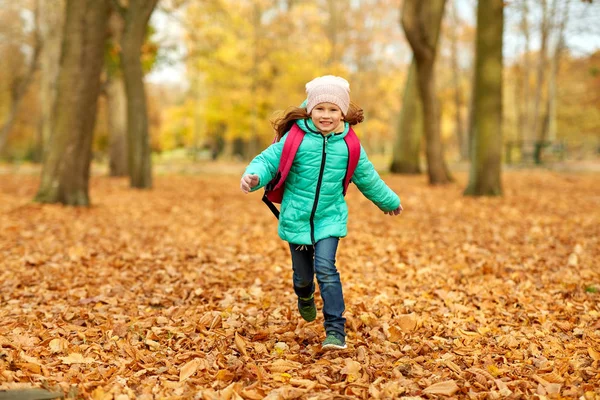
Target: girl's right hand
<point>248,182</point>
<point>397,211</point>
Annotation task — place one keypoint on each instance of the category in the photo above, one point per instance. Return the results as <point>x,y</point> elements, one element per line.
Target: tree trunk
<point>66,166</point>
<point>407,147</point>
<point>116,110</point>
<point>463,144</point>
<point>51,23</point>
<point>421,22</point>
<point>524,133</point>
<point>536,129</point>
<point>554,66</point>
<point>20,86</point>
<point>116,117</point>
<point>136,17</point>
<point>486,143</point>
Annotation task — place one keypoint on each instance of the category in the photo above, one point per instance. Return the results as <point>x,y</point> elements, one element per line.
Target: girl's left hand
<point>397,211</point>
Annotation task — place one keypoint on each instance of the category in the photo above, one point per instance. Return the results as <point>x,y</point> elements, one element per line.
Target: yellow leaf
<point>29,366</point>
<point>492,369</point>
<point>240,344</point>
<point>188,369</point>
<point>447,388</point>
<point>76,358</point>
<point>100,394</point>
<point>282,377</point>
<point>58,345</point>
<point>394,333</point>
<point>283,366</point>
<point>407,322</point>
<point>352,370</point>
<point>594,354</point>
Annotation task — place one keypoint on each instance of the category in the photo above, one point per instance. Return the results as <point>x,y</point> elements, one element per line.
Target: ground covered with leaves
<point>185,291</point>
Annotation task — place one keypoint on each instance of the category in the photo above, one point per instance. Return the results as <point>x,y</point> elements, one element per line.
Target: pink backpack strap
<point>353,156</point>
<point>288,153</point>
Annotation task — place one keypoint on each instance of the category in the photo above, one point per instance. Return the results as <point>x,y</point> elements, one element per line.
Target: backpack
<point>275,188</point>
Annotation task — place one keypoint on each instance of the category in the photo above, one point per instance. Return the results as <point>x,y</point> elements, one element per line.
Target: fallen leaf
<point>352,370</point>
<point>58,345</point>
<point>240,344</point>
<point>188,369</point>
<point>447,388</point>
<point>76,358</point>
<point>407,322</point>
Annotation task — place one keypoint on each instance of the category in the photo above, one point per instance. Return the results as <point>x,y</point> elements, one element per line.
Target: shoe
<point>334,342</point>
<point>307,308</point>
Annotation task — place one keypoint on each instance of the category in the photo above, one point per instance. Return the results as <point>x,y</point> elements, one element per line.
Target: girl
<point>313,210</point>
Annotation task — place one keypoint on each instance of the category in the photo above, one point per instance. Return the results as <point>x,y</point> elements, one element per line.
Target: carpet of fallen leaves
<point>185,292</point>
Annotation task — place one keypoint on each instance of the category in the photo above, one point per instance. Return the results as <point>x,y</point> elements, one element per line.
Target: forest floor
<point>185,291</point>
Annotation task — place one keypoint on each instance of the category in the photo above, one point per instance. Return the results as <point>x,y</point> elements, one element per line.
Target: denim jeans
<point>320,260</point>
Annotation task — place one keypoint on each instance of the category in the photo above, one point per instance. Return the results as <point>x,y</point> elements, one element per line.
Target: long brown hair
<point>283,123</point>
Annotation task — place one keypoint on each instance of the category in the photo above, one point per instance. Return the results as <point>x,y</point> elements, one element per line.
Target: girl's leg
<point>304,271</point>
<point>330,286</point>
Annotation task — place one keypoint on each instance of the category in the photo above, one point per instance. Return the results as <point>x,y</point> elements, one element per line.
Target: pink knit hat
<point>328,89</point>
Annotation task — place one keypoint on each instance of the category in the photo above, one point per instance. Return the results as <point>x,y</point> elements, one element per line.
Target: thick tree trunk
<point>136,17</point>
<point>117,126</point>
<point>51,22</point>
<point>407,146</point>
<point>421,22</point>
<point>486,143</point>
<point>66,167</point>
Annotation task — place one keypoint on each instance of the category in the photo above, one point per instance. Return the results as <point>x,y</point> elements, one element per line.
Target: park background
<point>171,283</point>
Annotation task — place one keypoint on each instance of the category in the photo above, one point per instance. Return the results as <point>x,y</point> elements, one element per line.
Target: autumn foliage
<point>185,291</point>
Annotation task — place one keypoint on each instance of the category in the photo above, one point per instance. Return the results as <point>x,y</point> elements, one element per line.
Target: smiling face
<point>327,117</point>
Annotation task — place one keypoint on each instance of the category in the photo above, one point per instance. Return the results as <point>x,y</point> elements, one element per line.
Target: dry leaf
<point>240,344</point>
<point>283,366</point>
<point>594,353</point>
<point>76,358</point>
<point>58,345</point>
<point>188,369</point>
<point>352,370</point>
<point>447,388</point>
<point>407,322</point>
<point>175,293</point>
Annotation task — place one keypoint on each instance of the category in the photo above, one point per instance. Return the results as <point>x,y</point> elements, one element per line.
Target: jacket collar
<point>309,127</point>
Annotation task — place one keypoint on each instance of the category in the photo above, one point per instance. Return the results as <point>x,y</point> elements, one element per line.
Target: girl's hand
<point>248,182</point>
<point>397,211</point>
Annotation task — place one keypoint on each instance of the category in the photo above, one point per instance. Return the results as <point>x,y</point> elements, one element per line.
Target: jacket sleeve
<point>265,164</point>
<point>372,186</point>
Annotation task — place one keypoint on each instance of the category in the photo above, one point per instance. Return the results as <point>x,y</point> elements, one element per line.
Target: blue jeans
<point>320,259</point>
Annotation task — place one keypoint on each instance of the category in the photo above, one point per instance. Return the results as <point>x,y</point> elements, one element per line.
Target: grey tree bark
<point>136,16</point>
<point>116,110</point>
<point>524,106</point>
<point>116,116</point>
<point>407,145</point>
<point>461,136</point>
<point>51,23</point>
<point>421,22</point>
<point>537,118</point>
<point>66,165</point>
<point>486,140</point>
<point>554,67</point>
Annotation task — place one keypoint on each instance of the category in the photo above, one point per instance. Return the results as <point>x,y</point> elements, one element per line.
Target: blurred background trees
<point>216,71</point>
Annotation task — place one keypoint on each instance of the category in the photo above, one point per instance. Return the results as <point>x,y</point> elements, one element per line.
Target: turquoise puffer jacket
<point>313,206</point>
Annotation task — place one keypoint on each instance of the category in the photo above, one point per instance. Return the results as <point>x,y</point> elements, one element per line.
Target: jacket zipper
<point>314,209</point>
